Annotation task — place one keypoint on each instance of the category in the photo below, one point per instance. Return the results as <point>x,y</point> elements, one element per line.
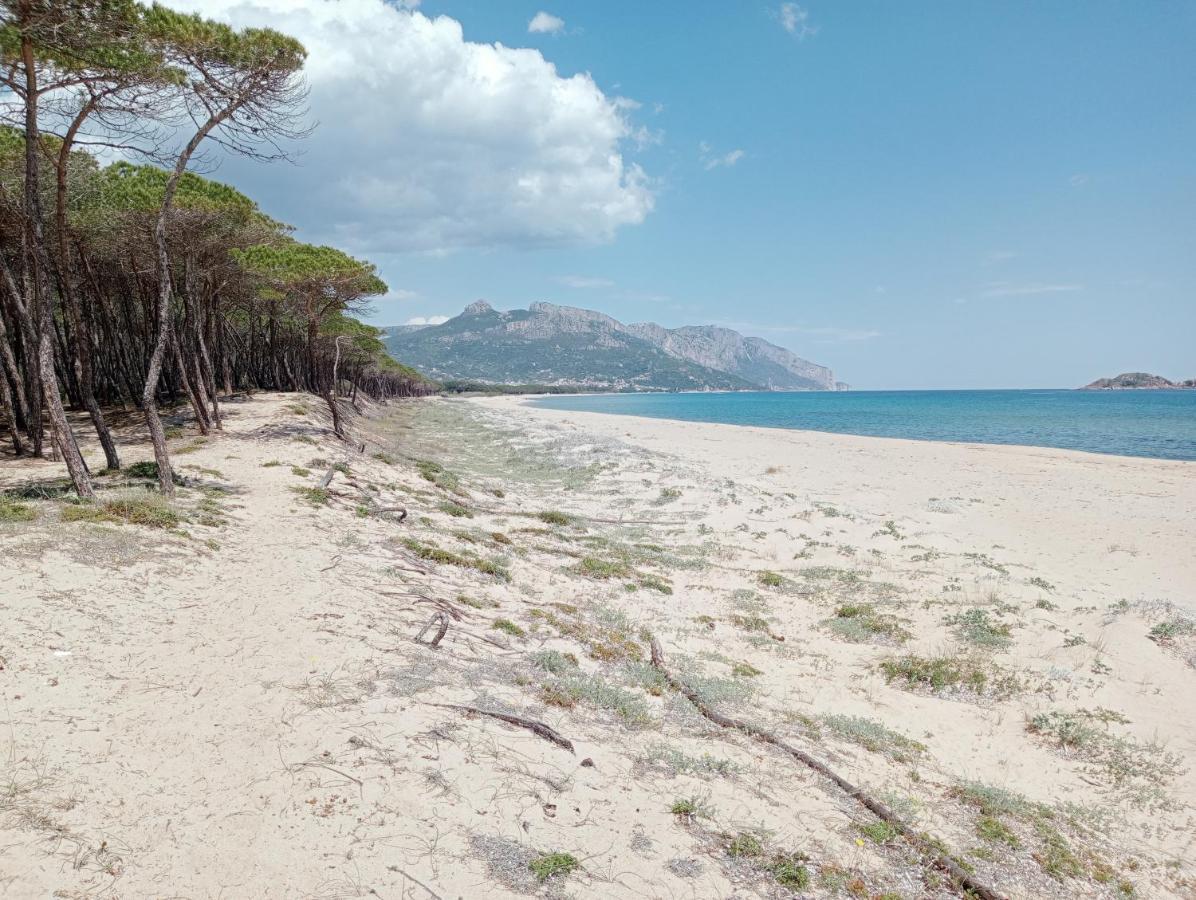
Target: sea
<point>1158,424</point>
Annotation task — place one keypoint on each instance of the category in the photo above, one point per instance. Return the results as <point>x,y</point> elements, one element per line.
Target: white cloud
<point>426,320</point>
<point>428,142</point>
<point>1006,289</point>
<point>1078,180</point>
<point>728,160</point>
<point>583,282</point>
<point>711,161</point>
<point>796,21</point>
<point>545,23</point>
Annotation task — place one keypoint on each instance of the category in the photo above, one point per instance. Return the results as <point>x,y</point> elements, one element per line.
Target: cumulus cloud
<point>545,23</point>
<point>796,21</point>
<point>426,320</point>
<point>428,142</point>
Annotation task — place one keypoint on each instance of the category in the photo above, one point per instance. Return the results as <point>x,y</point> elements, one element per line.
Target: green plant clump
<point>143,469</point>
<point>316,496</point>
<point>771,579</point>
<point>879,831</point>
<point>438,475</point>
<point>603,569</point>
<point>435,554</point>
<point>593,690</point>
<point>790,871</point>
<point>977,627</point>
<point>552,865</point>
<point>745,670</point>
<point>11,511</point>
<point>745,844</point>
<point>995,831</point>
<point>862,623</point>
<point>1172,628</point>
<point>942,673</point>
<point>509,627</point>
<point>873,736</point>
<point>456,510</point>
<point>146,509</point>
<point>688,808</point>
<point>554,662</point>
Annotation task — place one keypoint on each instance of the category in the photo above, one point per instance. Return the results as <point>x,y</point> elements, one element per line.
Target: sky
<point>946,194</point>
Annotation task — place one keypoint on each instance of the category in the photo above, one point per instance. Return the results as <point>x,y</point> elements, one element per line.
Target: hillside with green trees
<point>144,284</point>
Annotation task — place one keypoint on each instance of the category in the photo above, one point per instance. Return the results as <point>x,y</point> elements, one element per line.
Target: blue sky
<point>949,194</point>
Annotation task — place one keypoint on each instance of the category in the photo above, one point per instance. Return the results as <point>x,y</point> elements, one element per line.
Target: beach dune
<point>998,643</point>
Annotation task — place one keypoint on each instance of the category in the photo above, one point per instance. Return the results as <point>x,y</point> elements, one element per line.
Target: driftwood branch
<point>327,479</point>
<point>440,622</point>
<point>538,728</point>
<point>414,880</point>
<point>921,842</point>
<point>443,607</point>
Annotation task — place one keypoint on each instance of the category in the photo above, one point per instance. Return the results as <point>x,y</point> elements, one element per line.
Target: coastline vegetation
<point>140,282</point>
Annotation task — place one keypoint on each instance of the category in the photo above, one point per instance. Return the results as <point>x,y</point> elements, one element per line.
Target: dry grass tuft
<point>134,507</point>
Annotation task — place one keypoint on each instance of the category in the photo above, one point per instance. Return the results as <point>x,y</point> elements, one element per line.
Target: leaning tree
<point>241,89</point>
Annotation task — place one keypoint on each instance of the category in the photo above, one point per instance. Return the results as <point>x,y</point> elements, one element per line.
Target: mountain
<point>1137,381</point>
<point>751,358</point>
<point>562,345</point>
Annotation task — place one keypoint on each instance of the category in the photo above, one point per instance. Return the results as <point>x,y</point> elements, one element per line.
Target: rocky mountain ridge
<point>563,345</point>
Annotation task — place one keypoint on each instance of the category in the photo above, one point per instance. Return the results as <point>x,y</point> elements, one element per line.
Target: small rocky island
<point>1138,381</point>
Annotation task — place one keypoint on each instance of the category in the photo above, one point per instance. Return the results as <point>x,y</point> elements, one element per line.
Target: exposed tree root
<point>531,725</point>
<point>922,842</point>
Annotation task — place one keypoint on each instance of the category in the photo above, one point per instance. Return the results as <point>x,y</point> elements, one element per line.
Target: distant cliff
<point>561,345</point>
<point>1138,381</point>
<point>751,358</point>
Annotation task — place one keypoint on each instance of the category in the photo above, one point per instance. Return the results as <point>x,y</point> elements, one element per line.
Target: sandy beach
<point>238,696</point>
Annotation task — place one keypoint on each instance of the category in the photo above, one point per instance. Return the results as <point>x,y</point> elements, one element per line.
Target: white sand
<point>239,710</point>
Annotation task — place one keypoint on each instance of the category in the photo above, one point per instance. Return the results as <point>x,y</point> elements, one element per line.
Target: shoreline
<point>1039,488</point>
<point>527,402</point>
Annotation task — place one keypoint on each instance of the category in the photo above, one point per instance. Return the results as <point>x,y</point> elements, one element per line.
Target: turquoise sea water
<point>1159,424</point>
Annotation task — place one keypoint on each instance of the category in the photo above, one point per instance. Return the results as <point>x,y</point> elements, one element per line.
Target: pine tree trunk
<point>84,370</point>
<point>149,397</point>
<point>63,436</point>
